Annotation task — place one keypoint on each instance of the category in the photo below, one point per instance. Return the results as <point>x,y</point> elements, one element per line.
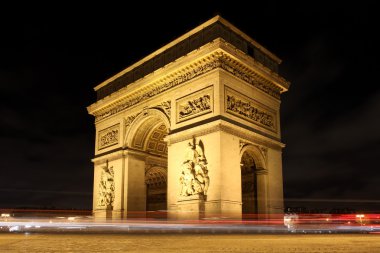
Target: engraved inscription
<point>108,137</point>
<point>250,110</point>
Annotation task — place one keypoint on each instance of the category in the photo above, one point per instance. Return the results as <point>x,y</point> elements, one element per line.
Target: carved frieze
<point>219,60</point>
<point>108,137</point>
<point>106,194</point>
<point>163,86</point>
<point>241,106</point>
<point>195,104</point>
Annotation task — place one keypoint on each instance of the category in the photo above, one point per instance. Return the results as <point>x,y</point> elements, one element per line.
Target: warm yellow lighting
<point>360,216</point>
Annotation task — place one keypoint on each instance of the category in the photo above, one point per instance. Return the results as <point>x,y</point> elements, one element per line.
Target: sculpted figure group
<point>194,177</point>
<point>106,188</point>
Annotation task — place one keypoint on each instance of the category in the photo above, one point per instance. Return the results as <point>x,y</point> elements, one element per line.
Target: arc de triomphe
<point>193,129</point>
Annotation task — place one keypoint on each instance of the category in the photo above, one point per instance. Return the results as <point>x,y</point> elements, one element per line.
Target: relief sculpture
<point>248,110</point>
<point>106,188</point>
<point>194,177</point>
<point>109,137</point>
<point>194,106</point>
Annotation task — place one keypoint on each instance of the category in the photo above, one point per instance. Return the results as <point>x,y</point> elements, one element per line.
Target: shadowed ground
<point>199,243</point>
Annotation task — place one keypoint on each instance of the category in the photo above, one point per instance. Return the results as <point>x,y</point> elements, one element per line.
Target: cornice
<point>158,77</point>
<point>209,22</point>
<point>254,67</point>
<point>219,57</point>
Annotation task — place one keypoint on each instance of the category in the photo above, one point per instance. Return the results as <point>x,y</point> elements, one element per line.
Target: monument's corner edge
<point>285,86</point>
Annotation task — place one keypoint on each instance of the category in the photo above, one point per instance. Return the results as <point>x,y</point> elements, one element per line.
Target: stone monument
<point>192,130</point>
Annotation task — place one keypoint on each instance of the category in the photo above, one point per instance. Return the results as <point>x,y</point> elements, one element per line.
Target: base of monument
<point>191,207</point>
<point>102,214</point>
<point>197,207</point>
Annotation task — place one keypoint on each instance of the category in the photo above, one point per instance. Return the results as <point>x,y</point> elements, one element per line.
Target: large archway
<point>147,136</point>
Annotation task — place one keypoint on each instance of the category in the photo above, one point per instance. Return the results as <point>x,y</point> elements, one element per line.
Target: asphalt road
<point>197,243</point>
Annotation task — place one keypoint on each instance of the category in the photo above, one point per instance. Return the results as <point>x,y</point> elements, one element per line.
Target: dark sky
<point>52,58</point>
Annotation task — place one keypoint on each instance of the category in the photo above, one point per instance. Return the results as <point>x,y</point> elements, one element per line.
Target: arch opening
<point>156,189</point>
<point>249,185</point>
<point>148,138</point>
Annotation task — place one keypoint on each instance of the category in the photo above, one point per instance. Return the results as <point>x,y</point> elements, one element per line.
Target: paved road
<point>195,243</point>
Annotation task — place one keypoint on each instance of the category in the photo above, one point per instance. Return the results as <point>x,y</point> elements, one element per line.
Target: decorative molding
<point>165,107</point>
<point>164,85</point>
<point>156,161</point>
<point>130,119</point>
<point>262,149</point>
<point>242,144</point>
<point>274,144</point>
<point>195,104</point>
<point>264,152</point>
<point>108,137</point>
<point>111,155</point>
<point>194,177</point>
<point>244,107</point>
<point>243,73</point>
<point>106,194</point>
<point>249,137</point>
<point>205,65</point>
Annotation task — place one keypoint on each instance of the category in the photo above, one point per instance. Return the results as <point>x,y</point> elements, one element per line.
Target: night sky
<point>51,60</point>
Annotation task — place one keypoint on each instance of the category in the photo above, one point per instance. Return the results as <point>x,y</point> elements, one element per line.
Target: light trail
<point>294,223</point>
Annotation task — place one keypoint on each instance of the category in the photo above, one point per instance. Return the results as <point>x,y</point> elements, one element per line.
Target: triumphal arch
<point>193,129</point>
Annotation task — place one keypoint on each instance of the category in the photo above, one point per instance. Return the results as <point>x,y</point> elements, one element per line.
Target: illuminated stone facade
<point>192,129</point>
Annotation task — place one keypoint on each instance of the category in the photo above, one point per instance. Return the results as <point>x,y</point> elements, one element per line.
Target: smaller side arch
<point>256,154</point>
<point>254,177</point>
